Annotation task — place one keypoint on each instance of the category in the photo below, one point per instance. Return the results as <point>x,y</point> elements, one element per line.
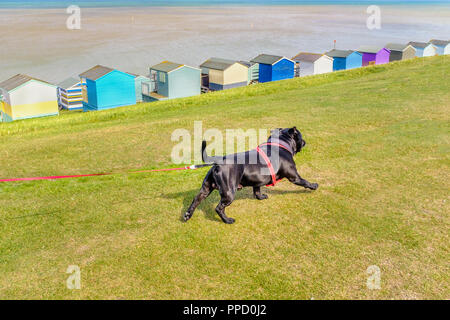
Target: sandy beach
<point>37,42</point>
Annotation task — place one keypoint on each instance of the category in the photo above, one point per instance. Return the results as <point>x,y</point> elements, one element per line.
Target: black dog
<point>230,173</point>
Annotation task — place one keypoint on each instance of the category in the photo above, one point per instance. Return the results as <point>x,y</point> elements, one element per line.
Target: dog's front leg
<point>258,195</point>
<point>296,179</point>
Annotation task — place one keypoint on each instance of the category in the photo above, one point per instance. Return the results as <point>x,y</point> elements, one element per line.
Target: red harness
<point>267,160</point>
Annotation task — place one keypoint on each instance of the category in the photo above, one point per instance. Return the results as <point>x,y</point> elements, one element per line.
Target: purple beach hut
<point>374,55</point>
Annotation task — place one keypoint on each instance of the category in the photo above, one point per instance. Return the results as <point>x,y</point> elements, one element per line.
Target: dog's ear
<point>292,131</point>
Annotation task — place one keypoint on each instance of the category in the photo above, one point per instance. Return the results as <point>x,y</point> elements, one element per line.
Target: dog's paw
<point>314,186</point>
<point>229,221</point>
<point>262,197</point>
<point>186,216</point>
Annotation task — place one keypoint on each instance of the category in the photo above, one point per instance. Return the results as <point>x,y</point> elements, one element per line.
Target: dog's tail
<point>208,159</point>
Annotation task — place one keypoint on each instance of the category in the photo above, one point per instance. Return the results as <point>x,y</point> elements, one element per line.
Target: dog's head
<point>292,135</point>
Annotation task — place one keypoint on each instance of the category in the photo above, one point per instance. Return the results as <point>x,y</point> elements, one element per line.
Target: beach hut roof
<point>440,43</point>
<point>339,53</point>
<point>369,49</point>
<point>308,57</point>
<point>419,44</point>
<point>96,72</point>
<point>137,75</point>
<point>397,46</point>
<point>267,59</point>
<point>247,63</point>
<point>17,81</point>
<point>218,63</point>
<point>167,66</point>
<point>69,82</point>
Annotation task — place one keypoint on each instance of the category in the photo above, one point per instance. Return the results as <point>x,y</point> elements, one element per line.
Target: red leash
<point>193,167</point>
<point>53,177</point>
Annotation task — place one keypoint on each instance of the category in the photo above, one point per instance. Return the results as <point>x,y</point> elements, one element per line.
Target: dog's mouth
<point>301,145</point>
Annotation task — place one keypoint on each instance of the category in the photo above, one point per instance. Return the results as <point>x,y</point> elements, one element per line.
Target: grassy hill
<point>377,143</point>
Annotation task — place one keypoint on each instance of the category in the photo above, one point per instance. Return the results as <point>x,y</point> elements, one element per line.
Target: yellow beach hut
<point>25,97</point>
<point>224,73</point>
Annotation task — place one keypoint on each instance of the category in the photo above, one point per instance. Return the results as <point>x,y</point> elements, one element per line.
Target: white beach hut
<point>313,63</point>
<point>442,46</point>
<point>423,49</point>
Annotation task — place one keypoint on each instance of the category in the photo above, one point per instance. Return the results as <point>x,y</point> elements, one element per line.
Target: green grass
<point>377,143</point>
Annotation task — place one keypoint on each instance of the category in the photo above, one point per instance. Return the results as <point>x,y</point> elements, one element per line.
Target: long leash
<point>193,167</point>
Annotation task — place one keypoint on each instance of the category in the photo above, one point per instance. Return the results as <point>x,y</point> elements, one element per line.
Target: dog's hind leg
<point>226,199</point>
<point>205,191</point>
<point>258,195</point>
<point>225,182</point>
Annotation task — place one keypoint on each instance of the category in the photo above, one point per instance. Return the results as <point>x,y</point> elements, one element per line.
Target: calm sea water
<point>137,3</point>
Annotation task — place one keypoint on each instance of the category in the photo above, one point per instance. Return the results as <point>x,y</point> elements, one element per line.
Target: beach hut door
<point>154,82</point>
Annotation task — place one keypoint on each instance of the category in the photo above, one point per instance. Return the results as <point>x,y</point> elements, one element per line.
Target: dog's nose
<point>303,143</point>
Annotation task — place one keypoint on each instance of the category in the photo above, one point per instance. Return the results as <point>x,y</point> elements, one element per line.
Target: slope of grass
<point>377,143</point>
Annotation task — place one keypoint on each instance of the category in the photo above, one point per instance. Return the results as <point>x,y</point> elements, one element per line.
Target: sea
<point>134,35</point>
<point>134,3</point>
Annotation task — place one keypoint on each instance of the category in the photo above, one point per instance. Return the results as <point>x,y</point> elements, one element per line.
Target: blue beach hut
<point>171,80</point>
<point>139,82</point>
<point>106,88</point>
<point>345,59</point>
<point>273,68</point>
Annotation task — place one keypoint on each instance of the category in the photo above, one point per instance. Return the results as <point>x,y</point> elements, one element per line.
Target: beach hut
<point>253,71</point>
<point>374,55</point>
<point>106,88</point>
<point>172,80</point>
<point>345,59</point>
<point>70,94</point>
<point>442,46</point>
<point>273,68</point>
<point>400,51</point>
<point>26,97</point>
<point>139,81</point>
<point>423,49</point>
<point>225,74</point>
<point>313,63</point>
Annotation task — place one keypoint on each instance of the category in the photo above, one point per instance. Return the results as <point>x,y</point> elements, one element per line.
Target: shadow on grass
<point>209,204</point>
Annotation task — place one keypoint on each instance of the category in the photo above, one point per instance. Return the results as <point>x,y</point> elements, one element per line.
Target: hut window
<point>162,77</point>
